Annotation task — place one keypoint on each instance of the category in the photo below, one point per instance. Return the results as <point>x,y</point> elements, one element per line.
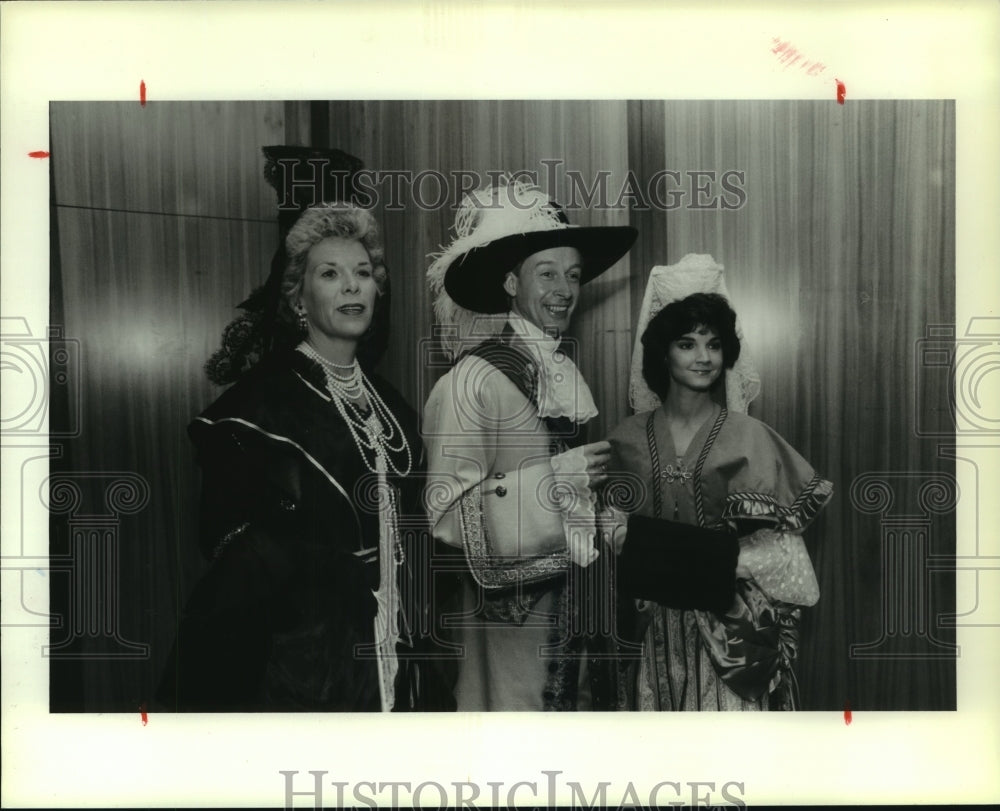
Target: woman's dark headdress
<point>301,177</point>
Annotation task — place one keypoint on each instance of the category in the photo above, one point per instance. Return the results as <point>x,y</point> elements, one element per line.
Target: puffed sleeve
<point>780,564</point>
<point>505,520</point>
<point>773,497</point>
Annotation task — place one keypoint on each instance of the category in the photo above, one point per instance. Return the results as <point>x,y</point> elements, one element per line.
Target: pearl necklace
<point>374,432</point>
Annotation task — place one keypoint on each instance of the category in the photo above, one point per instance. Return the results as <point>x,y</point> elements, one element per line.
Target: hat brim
<point>475,280</point>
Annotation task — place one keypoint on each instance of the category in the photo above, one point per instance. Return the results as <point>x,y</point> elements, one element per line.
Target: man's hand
<point>613,527</point>
<point>597,456</point>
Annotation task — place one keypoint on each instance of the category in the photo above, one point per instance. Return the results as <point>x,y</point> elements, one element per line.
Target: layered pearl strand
<point>373,434</point>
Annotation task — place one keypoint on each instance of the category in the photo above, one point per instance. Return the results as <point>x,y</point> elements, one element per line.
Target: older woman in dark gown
<point>309,463</point>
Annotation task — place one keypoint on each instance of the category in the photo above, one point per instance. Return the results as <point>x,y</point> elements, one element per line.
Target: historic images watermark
<point>37,368</point>
<point>430,189</point>
<point>38,371</point>
<point>906,503</point>
<point>547,790</point>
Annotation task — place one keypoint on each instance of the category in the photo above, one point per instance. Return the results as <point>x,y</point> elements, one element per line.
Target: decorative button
<point>501,491</point>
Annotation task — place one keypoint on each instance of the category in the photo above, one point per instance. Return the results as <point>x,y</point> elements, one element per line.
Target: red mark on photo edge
<point>790,56</point>
<point>848,716</point>
<point>142,92</point>
<point>142,712</point>
<point>39,154</point>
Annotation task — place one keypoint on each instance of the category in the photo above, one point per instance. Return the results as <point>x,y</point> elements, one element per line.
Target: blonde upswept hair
<point>321,222</point>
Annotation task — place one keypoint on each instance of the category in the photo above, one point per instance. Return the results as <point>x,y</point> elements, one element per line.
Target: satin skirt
<point>741,660</point>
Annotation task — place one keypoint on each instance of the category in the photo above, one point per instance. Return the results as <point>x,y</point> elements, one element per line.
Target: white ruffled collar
<point>562,391</point>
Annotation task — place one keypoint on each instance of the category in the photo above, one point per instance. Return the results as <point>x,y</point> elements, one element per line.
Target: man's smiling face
<point>546,288</point>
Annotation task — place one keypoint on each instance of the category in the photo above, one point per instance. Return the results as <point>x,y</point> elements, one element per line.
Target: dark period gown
<point>292,521</point>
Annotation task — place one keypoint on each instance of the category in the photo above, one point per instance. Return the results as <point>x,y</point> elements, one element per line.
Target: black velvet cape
<point>283,619</point>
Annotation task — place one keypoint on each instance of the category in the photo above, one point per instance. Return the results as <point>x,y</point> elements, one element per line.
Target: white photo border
<point>222,50</point>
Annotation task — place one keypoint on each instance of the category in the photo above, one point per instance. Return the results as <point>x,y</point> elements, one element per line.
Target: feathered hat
<point>495,229</point>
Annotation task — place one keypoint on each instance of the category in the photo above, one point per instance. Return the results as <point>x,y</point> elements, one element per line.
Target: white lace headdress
<point>695,273</point>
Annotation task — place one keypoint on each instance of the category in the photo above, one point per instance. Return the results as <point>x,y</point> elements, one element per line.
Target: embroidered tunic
<point>491,493</point>
<point>739,473</point>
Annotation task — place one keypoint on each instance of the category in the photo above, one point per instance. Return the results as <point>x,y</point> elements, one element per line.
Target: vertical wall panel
<point>165,224</point>
<point>485,137</point>
<point>840,258</point>
<point>167,157</point>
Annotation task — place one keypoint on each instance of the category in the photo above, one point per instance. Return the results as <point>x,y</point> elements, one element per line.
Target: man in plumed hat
<point>512,483</point>
<point>509,482</point>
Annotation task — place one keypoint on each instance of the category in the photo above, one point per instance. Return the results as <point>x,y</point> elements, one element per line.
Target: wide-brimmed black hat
<point>497,228</point>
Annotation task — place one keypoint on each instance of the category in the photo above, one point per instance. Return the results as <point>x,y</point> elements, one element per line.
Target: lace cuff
<point>779,563</point>
<point>572,495</point>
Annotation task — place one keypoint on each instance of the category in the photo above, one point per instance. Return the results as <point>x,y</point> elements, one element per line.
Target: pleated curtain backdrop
<point>838,259</point>
<point>165,224</point>
<point>483,139</point>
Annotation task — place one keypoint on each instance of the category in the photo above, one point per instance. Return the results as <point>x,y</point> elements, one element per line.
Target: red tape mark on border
<point>39,154</point>
<point>142,92</point>
<point>848,715</point>
<point>142,712</point>
<point>792,57</point>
